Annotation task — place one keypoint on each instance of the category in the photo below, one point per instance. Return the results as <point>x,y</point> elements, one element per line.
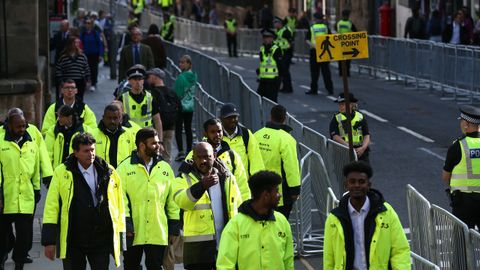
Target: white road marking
<point>332,98</point>
<point>431,153</point>
<point>310,121</point>
<point>304,105</point>
<point>374,116</point>
<point>305,87</point>
<point>415,134</point>
<point>227,64</point>
<point>239,67</point>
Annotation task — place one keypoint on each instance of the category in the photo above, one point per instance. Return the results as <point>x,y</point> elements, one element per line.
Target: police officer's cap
<point>136,71</point>
<point>267,33</point>
<point>318,15</point>
<point>341,98</point>
<point>277,19</point>
<point>227,110</point>
<point>470,114</point>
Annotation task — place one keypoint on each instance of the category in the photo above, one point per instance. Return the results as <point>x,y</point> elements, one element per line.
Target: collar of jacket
<point>104,129</point>
<point>9,136</point>
<point>78,106</point>
<point>239,131</point>
<point>247,209</point>
<point>277,126</point>
<point>188,166</point>
<point>101,166</point>
<point>376,205</point>
<point>224,148</point>
<point>135,159</point>
<point>75,127</point>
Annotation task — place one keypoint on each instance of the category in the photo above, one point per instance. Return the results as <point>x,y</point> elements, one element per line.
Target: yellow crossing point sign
<point>338,47</point>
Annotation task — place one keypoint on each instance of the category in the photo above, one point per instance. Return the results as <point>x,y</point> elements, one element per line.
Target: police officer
<point>147,184</point>
<point>318,28</point>
<point>257,223</point>
<point>241,139</point>
<point>279,152</point>
<point>270,62</point>
<point>461,168</point>
<point>168,27</point>
<point>230,26</point>
<point>291,19</point>
<point>19,187</point>
<point>345,25</point>
<point>209,196</point>
<point>139,103</point>
<point>114,142</point>
<point>83,113</point>
<point>284,40</point>
<point>138,6</point>
<point>360,132</point>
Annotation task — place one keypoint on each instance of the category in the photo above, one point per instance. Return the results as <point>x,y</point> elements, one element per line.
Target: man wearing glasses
<point>134,54</point>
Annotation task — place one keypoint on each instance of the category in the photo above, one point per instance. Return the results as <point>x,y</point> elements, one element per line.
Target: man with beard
<point>114,143</point>
<point>364,232</point>
<point>58,138</point>
<point>152,215</point>
<point>258,236</point>
<point>209,196</point>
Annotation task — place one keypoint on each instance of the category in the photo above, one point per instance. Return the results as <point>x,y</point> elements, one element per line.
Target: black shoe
<point>28,259</point>
<point>311,93</point>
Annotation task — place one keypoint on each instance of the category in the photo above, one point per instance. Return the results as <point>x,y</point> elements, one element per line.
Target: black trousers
<point>132,258</point>
<point>285,210</point>
<point>464,207</point>
<point>232,45</point>
<point>22,240</point>
<point>340,67</point>
<point>200,266</point>
<point>98,258</point>
<point>269,88</point>
<point>315,73</point>
<point>285,74</point>
<point>184,119</point>
<point>93,65</point>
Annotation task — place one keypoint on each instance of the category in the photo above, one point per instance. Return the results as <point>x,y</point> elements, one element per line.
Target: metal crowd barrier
<point>475,248</point>
<point>420,263</point>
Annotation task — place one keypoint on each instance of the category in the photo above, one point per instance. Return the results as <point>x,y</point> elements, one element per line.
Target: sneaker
<point>92,88</point>
<point>180,156</point>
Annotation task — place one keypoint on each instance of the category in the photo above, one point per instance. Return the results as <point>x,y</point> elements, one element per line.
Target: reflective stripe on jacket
<point>280,41</point>
<point>231,25</point>
<point>318,29</point>
<point>466,174</point>
<point>357,134</point>
<point>344,26</point>
<point>141,113</point>
<point>268,65</point>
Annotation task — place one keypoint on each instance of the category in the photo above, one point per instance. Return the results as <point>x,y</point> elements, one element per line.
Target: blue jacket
<point>92,42</point>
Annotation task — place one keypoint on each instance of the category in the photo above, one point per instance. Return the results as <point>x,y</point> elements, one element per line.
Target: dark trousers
<point>285,74</point>
<point>22,240</point>
<point>153,257</point>
<point>200,266</point>
<point>80,83</point>
<point>269,88</point>
<point>93,65</point>
<point>285,210</point>
<point>98,258</point>
<point>340,67</point>
<point>464,207</point>
<point>184,119</point>
<point>315,73</point>
<point>232,45</point>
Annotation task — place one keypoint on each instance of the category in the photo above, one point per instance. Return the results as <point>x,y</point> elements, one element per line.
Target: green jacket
<point>19,174</point>
<point>386,246</point>
<point>186,81</point>
<point>250,241</point>
<point>55,141</point>
<point>148,196</point>
<point>83,113</point>
<point>279,152</point>
<point>125,144</point>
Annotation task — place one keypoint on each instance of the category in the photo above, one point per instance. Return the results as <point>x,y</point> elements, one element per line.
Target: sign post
<point>341,47</point>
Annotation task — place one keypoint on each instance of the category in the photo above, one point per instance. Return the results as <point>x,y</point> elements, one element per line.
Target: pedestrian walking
<point>135,53</point>
<point>154,41</point>
<point>270,62</point>
<point>230,26</point>
<point>415,26</point>
<point>93,48</point>
<point>455,32</point>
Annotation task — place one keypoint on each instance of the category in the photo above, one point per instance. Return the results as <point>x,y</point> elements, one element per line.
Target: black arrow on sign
<point>354,52</point>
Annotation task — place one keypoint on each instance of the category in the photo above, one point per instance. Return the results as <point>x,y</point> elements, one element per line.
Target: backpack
<point>169,106</point>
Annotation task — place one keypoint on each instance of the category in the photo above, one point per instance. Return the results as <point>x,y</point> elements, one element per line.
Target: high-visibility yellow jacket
<point>56,214</point>
<point>19,174</point>
<point>83,113</point>
<point>317,29</point>
<point>148,200</point>
<point>385,241</point>
<point>357,132</point>
<point>268,65</point>
<point>246,145</point>
<point>140,113</point>
<point>138,6</point>
<point>55,142</point>
<point>466,174</point>
<point>252,242</point>
<point>279,153</point>
<point>125,144</point>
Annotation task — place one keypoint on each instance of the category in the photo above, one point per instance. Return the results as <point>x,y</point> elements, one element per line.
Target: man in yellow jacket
<point>364,232</point>
<point>152,215</point>
<point>209,197</point>
<point>279,152</point>
<point>258,237</point>
<point>85,209</point>
<point>19,186</point>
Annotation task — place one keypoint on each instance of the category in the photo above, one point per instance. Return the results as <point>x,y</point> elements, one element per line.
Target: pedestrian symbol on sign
<point>326,47</point>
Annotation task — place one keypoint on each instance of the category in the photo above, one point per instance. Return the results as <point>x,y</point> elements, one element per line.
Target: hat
<point>318,15</point>
<point>341,98</point>
<point>136,71</point>
<point>228,109</point>
<point>157,72</point>
<point>470,114</point>
<point>267,33</point>
<point>277,19</point>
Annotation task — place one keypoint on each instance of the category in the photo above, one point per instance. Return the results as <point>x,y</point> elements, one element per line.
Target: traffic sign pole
<point>348,113</point>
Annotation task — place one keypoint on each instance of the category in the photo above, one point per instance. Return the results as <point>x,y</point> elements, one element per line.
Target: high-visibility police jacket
<point>279,153</point>
<point>148,199</point>
<point>138,6</point>
<point>291,23</point>
<point>140,113</point>
<point>246,146</point>
<point>281,40</point>
<point>317,29</point>
<point>55,141</point>
<point>125,144</point>
<point>386,246</point>
<point>167,30</point>
<point>357,132</point>
<point>344,26</point>
<point>165,3</point>
<point>129,125</point>
<point>235,165</point>
<point>268,65</point>
<point>198,221</point>
<point>19,174</point>
<point>83,114</point>
<point>56,214</point>
<point>252,242</point>
<point>231,25</point>
<point>466,174</point>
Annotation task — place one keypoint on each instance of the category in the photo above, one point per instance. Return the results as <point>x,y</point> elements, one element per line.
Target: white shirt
<point>358,224</point>
<point>215,193</point>
<point>233,135</point>
<point>90,175</point>
<point>149,165</point>
<point>455,33</point>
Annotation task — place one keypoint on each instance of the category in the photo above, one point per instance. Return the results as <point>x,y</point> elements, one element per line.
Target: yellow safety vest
<point>357,134</point>
<point>165,29</point>
<point>292,23</point>
<point>138,6</point>
<point>231,25</point>
<point>318,29</point>
<point>280,41</point>
<point>268,65</point>
<point>466,175</point>
<point>165,3</point>
<point>141,117</point>
<point>344,26</point>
